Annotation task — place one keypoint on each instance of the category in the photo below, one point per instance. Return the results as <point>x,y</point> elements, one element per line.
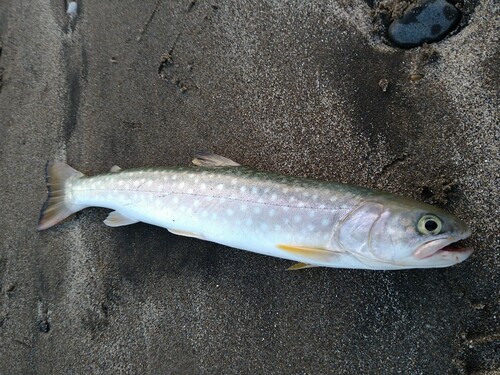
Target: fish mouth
<point>445,249</point>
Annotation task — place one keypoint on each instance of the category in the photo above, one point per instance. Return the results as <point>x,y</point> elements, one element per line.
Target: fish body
<point>313,222</point>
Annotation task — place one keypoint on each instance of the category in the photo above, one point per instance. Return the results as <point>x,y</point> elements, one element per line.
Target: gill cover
<point>354,231</point>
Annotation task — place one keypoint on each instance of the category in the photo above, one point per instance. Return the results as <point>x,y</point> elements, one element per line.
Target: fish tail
<point>56,208</point>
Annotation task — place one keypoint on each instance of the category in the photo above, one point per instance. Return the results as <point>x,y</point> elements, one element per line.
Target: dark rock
<point>44,326</point>
<point>428,22</point>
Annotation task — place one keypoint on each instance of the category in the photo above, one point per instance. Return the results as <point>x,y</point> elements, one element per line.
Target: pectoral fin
<point>300,266</point>
<point>116,219</point>
<point>312,253</point>
<point>206,159</point>
<point>186,233</point>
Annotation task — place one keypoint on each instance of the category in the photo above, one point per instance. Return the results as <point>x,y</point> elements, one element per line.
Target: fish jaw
<point>442,252</point>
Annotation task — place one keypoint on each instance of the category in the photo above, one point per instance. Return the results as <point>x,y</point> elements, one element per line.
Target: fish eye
<point>429,224</point>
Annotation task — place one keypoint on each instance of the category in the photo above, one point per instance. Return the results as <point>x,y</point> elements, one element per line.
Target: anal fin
<point>115,219</point>
<point>185,233</point>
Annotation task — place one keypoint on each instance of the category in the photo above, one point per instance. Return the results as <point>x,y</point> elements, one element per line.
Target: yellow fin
<point>300,266</point>
<point>186,233</point>
<point>313,253</point>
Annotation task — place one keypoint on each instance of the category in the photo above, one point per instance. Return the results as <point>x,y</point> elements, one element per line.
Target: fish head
<point>392,232</point>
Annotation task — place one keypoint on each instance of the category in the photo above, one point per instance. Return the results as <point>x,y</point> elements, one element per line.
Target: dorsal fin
<point>206,159</point>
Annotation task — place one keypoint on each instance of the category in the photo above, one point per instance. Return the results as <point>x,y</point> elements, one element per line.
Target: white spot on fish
<point>274,197</point>
<point>203,186</point>
<point>243,207</point>
<point>312,213</point>
<point>149,183</point>
<point>234,181</point>
<point>174,177</point>
<point>291,199</point>
<point>248,221</point>
<point>220,187</point>
<point>325,222</point>
<point>214,215</point>
<point>181,185</point>
<point>272,212</point>
<point>175,200</point>
<point>243,189</point>
<point>229,212</point>
<point>285,190</point>
<point>257,210</point>
<point>196,203</point>
<point>297,218</point>
<point>310,227</point>
<point>190,191</point>
<point>277,227</point>
<point>255,190</point>
<point>263,226</point>
<point>301,204</point>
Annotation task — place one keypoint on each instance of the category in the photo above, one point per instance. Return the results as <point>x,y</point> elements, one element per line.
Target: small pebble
<point>428,22</point>
<point>72,9</point>
<point>415,77</point>
<point>384,84</point>
<point>44,326</point>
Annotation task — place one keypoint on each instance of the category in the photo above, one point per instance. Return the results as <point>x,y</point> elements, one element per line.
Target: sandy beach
<point>310,89</point>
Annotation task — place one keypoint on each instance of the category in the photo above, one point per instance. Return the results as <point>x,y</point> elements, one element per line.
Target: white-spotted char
<point>313,222</point>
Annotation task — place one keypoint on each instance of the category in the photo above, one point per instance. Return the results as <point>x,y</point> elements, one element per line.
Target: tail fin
<point>55,208</point>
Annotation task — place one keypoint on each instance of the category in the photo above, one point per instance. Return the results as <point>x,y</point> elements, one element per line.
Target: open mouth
<point>453,253</point>
<point>454,248</point>
<point>446,247</point>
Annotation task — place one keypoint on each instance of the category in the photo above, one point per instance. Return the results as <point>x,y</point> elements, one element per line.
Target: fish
<point>312,222</point>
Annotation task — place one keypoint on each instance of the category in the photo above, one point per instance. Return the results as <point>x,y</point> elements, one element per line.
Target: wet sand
<point>290,88</point>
